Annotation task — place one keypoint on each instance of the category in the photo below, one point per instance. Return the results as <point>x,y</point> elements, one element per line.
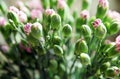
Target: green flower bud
<point>36,30</point>
<point>67,30</point>
<point>13,16</point>
<point>85,59</point>
<point>55,21</point>
<point>53,65</point>
<point>57,40</point>
<point>105,66</point>
<point>86,32</point>
<point>85,4</point>
<point>56,77</point>
<point>58,50</point>
<point>112,72</point>
<point>102,8</point>
<point>80,47</point>
<point>114,28</point>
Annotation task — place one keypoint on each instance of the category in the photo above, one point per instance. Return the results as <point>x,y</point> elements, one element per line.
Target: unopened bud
<point>112,72</point>
<point>67,30</point>
<point>58,50</point>
<point>102,8</point>
<point>100,29</point>
<point>55,21</point>
<point>105,66</point>
<point>85,59</point>
<point>36,30</point>
<point>80,47</point>
<point>114,28</point>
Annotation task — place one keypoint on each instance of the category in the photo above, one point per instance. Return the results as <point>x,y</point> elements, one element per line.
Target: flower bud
<point>22,16</point>
<point>56,77</point>
<point>13,16</point>
<point>67,30</point>
<point>86,32</point>
<point>49,12</point>
<point>100,29</point>
<point>85,4</point>
<point>102,8</point>
<point>61,4</point>
<point>36,14</point>
<point>114,28</point>
<point>57,40</point>
<point>81,47</point>
<point>85,59</point>
<point>105,66</point>
<point>84,16</point>
<point>58,50</point>
<point>53,65</point>
<point>55,21</point>
<point>27,28</point>
<point>112,72</point>
<point>2,21</point>
<point>36,30</point>
<point>117,41</point>
<point>13,9</point>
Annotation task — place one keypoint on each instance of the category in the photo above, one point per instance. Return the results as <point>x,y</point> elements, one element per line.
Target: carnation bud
<point>53,65</point>
<point>102,8</point>
<point>100,29</point>
<point>22,16</point>
<point>58,50</point>
<point>112,72</point>
<point>36,30</point>
<point>86,32</point>
<point>84,16</point>
<point>36,14</point>
<point>85,4</point>
<point>117,41</point>
<point>81,47</point>
<point>114,28</point>
<point>56,77</point>
<point>49,12</point>
<point>57,40</point>
<point>27,28</point>
<point>2,21</point>
<point>61,4</point>
<point>105,66</point>
<point>13,16</point>
<point>85,59</point>
<point>67,30</point>
<point>55,21</point>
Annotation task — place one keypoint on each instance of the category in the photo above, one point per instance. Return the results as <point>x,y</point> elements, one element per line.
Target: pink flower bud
<point>22,16</point>
<point>27,28</point>
<point>61,4</point>
<point>117,41</point>
<point>103,3</point>
<point>114,15</point>
<point>96,23</point>
<point>49,12</point>
<point>84,14</point>
<point>2,21</point>
<point>13,9</point>
<point>35,13</point>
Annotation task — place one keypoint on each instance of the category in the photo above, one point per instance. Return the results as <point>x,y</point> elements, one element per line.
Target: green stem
<point>71,68</point>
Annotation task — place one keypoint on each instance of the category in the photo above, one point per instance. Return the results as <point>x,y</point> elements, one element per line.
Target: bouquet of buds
<point>44,40</point>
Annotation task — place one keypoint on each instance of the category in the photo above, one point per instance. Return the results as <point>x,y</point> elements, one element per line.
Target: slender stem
<point>71,68</point>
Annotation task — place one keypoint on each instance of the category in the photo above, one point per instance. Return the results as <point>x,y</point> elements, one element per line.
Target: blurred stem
<point>71,68</point>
